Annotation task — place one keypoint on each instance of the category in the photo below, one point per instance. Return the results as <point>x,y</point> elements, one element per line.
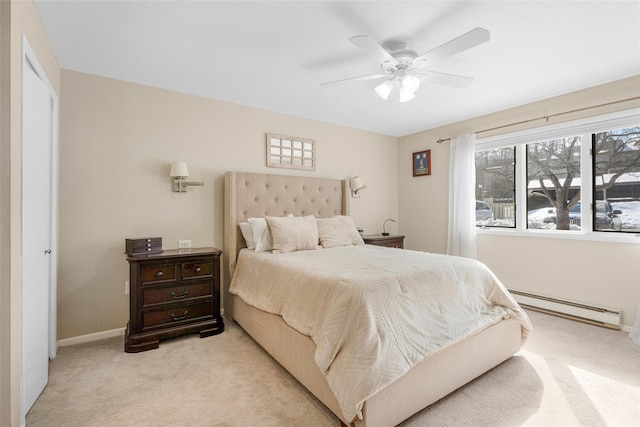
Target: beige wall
<point>18,19</point>
<point>117,142</point>
<point>590,272</point>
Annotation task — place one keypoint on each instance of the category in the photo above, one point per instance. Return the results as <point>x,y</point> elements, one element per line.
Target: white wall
<point>589,272</point>
<point>117,142</point>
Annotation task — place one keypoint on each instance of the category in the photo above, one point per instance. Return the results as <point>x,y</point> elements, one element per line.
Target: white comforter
<point>374,312</point>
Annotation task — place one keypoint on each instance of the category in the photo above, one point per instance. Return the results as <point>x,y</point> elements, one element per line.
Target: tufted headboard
<point>257,195</point>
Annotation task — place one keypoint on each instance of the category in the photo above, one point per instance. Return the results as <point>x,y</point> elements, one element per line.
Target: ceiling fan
<point>403,68</point>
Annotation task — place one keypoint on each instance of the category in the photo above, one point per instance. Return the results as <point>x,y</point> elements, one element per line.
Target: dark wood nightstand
<point>392,241</point>
<point>173,293</point>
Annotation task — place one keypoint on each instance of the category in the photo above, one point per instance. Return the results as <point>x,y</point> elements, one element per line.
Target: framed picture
<point>421,162</point>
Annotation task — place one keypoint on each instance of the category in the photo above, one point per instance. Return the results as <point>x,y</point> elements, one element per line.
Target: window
<point>553,184</point>
<point>495,188</point>
<point>616,180</point>
<point>576,178</point>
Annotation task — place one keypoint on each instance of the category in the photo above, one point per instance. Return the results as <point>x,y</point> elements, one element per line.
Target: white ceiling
<point>273,55</point>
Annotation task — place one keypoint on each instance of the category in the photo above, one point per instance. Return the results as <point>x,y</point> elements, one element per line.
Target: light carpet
<point>567,374</point>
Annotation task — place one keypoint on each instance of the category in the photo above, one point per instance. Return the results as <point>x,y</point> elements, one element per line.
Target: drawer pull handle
<point>159,273</point>
<point>197,269</point>
<point>181,317</point>
<point>182,295</point>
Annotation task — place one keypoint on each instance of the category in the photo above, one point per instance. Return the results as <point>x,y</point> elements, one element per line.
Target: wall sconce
<point>384,232</point>
<point>356,186</point>
<point>179,172</point>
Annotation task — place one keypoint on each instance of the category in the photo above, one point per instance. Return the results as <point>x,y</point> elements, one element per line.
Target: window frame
<point>515,215</point>
<point>584,127</point>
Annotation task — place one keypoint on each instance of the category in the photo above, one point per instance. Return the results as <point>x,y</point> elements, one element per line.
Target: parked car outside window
<point>483,211</point>
<point>607,218</point>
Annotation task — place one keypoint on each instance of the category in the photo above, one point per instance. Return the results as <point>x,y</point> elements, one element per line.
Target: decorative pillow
<point>293,234</point>
<point>338,231</point>
<point>245,228</point>
<point>261,235</point>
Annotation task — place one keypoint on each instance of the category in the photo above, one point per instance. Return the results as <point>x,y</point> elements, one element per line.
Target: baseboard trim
<point>90,337</point>
<point>595,315</point>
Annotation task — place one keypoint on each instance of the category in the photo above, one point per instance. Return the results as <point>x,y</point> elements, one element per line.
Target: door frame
<point>29,59</point>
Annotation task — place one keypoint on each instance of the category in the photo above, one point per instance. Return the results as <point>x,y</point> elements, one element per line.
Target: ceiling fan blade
<point>461,43</point>
<point>444,79</point>
<point>354,79</point>
<point>373,49</point>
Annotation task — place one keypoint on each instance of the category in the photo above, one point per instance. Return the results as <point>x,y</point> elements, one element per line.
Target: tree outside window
<point>553,184</point>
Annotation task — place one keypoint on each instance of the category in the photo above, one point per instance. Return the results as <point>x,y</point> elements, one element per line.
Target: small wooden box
<point>147,245</point>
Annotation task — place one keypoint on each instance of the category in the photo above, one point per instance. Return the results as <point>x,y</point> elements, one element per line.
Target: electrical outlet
<point>126,287</point>
<point>184,244</point>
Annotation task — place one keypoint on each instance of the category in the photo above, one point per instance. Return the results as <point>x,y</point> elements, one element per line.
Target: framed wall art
<point>421,163</point>
<point>290,152</point>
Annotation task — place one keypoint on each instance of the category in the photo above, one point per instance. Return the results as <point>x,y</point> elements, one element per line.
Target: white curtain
<point>462,200</point>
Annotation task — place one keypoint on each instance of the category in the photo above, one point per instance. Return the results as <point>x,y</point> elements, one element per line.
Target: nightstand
<point>173,293</point>
<point>392,241</point>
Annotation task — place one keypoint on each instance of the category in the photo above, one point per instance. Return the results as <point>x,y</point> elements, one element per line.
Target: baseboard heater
<point>601,316</point>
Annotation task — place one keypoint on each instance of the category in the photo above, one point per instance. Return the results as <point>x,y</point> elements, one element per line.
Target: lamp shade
<point>384,89</point>
<point>356,183</point>
<point>179,169</point>
<point>410,83</point>
<point>406,95</point>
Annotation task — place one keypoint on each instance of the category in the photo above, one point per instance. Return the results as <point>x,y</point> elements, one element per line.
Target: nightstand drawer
<point>175,315</point>
<point>197,269</point>
<point>395,243</point>
<point>391,241</point>
<point>158,273</point>
<point>156,295</point>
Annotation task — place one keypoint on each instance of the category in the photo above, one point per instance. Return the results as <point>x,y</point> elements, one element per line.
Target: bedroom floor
<point>567,373</point>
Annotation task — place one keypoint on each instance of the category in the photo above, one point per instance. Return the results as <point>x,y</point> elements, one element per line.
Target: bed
<point>417,383</point>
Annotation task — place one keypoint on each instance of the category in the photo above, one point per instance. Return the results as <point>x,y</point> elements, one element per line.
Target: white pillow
<point>261,235</point>
<point>293,234</point>
<point>245,228</point>
<point>338,231</point>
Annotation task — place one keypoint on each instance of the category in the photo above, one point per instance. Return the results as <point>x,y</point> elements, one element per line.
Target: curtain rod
<point>440,141</point>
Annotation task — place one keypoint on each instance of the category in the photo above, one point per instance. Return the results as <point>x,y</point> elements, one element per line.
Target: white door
<point>36,233</point>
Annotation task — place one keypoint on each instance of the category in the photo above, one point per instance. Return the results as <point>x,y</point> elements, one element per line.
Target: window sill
<point>564,235</point>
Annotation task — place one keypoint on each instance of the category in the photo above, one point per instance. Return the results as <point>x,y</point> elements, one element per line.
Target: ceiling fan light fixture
<point>406,96</point>
<point>400,64</point>
<point>384,89</point>
<point>410,83</point>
